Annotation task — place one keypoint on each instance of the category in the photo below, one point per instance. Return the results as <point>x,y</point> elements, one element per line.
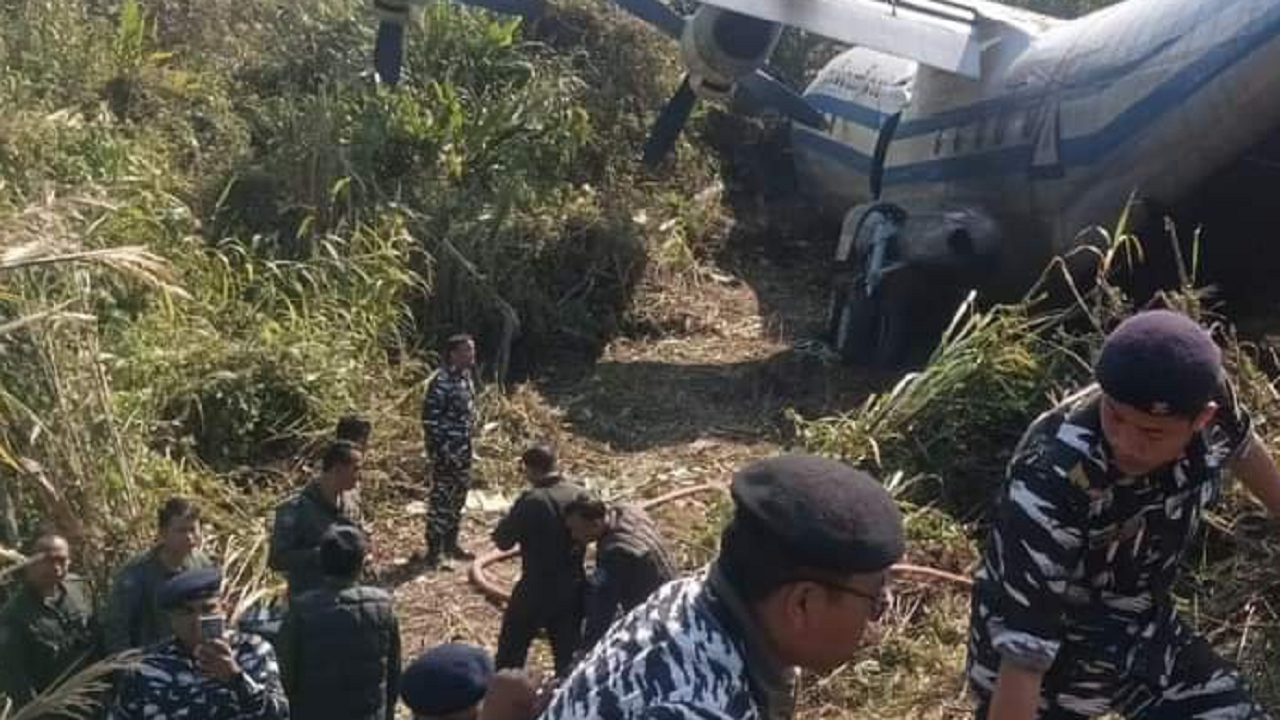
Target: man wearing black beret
<point>204,671</point>
<point>1072,615</point>
<point>803,568</point>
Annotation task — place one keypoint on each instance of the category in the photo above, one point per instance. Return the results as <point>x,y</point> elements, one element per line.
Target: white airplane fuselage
<point>1148,96</point>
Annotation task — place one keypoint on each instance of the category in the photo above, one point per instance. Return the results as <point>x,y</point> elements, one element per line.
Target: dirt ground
<point>677,408</point>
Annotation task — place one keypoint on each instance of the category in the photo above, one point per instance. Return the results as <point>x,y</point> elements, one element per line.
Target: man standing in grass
<point>447,415</point>
<point>47,629</point>
<point>134,618</point>
<point>302,520</point>
<point>1072,613</point>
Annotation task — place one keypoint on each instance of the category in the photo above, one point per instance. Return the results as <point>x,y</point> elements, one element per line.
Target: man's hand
<point>215,659</point>
<point>1017,694</point>
<point>513,695</point>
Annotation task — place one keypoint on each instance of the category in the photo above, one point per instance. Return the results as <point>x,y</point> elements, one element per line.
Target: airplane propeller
<point>388,46</point>
<point>759,88</point>
<point>666,129</point>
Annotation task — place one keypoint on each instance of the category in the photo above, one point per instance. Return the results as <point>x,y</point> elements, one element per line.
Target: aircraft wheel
<point>871,331</point>
<point>891,338</point>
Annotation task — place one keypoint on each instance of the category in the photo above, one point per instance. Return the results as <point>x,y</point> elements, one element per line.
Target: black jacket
<point>339,652</point>
<point>550,561</point>
<point>631,563</point>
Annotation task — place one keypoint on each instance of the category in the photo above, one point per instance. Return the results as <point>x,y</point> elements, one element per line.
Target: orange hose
<point>496,593</point>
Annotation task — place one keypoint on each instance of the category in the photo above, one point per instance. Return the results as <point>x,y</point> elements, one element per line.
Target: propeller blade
<point>662,138</point>
<point>656,14</point>
<point>388,51</point>
<point>767,91</point>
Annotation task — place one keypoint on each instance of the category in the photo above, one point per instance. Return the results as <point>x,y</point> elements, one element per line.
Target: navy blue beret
<point>190,585</point>
<point>446,679</point>
<point>1161,362</point>
<point>823,514</point>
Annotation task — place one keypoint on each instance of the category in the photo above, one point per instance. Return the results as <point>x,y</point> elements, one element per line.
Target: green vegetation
<point>218,234</point>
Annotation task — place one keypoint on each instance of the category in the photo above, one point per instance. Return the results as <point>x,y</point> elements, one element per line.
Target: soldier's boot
<point>435,561</point>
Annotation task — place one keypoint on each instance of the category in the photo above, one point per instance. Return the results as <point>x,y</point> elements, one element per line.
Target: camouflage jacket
<point>167,684</point>
<point>447,414</point>
<point>133,618</point>
<point>688,653</point>
<point>295,537</point>
<point>40,640</point>
<point>1077,572</point>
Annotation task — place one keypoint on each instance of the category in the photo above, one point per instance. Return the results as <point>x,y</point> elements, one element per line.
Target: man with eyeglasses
<point>1073,613</point>
<point>204,671</point>
<point>803,568</point>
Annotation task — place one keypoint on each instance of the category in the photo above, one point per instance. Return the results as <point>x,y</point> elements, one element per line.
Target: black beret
<point>190,585</point>
<point>822,513</point>
<point>446,679</point>
<point>1160,362</point>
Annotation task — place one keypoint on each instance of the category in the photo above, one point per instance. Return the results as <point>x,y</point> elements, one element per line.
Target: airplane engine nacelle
<point>883,234</point>
<point>720,46</point>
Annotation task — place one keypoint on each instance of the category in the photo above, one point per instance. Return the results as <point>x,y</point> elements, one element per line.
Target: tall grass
<point>217,235</point>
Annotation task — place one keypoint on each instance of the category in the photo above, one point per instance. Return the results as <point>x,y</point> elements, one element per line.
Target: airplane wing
<point>942,34</point>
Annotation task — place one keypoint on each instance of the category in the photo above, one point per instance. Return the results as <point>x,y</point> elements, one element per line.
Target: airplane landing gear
<point>872,329</point>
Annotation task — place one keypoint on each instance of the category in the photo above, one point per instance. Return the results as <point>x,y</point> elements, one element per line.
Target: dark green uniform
<point>133,618</point>
<point>295,539</point>
<point>549,593</point>
<point>42,639</point>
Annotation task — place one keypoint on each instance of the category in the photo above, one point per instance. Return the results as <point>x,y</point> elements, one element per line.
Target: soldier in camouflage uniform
<point>302,520</point>
<point>47,629</point>
<point>802,569</point>
<point>133,618</point>
<point>1072,614</point>
<point>231,677</point>
<point>631,559</point>
<point>446,426</point>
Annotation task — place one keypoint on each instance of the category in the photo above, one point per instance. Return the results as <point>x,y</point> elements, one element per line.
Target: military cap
<point>199,584</point>
<point>1161,362</point>
<point>821,513</point>
<point>446,679</point>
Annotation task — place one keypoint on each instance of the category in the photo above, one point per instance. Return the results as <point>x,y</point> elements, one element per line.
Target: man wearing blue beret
<point>204,671</point>
<point>1072,613</point>
<point>803,568</point>
<point>456,681</point>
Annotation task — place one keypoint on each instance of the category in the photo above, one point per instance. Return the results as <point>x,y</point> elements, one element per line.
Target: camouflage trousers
<point>1202,686</point>
<point>445,502</point>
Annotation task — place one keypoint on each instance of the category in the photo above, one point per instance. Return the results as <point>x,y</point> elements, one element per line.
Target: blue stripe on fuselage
<point>1083,150</point>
